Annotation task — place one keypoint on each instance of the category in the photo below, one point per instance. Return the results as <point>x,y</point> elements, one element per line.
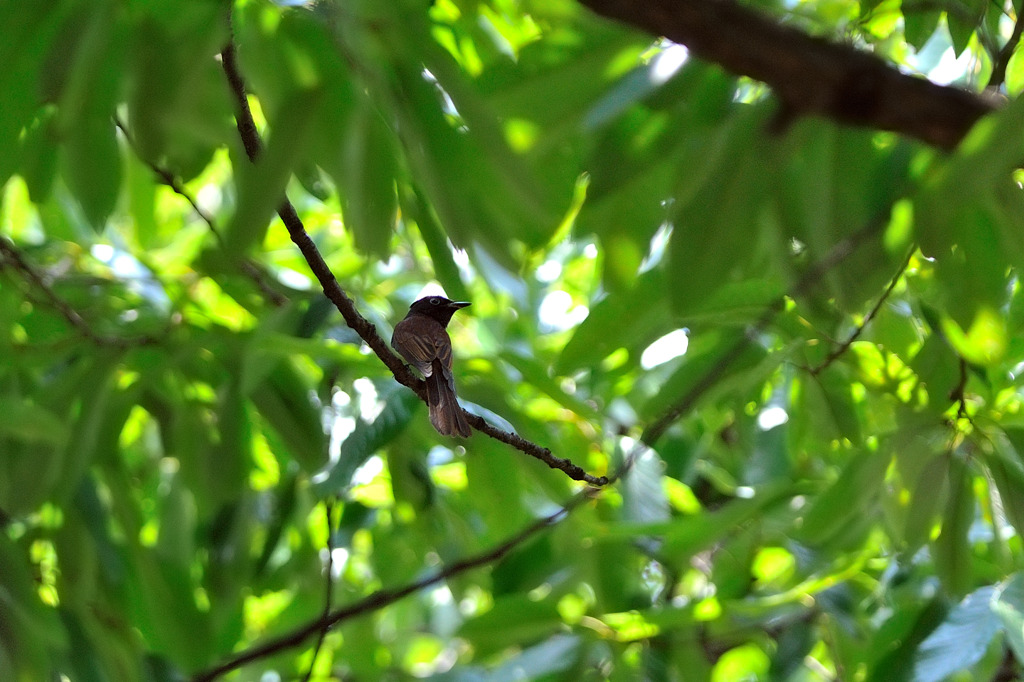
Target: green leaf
<point>952,548</point>
<point>415,205</point>
<point>98,426</point>
<point>552,656</point>
<point>512,619</point>
<point>261,186</point>
<point>367,438</point>
<point>175,543</point>
<point>716,364</point>
<point>736,303</point>
<point>960,182</point>
<point>39,155</point>
<point>284,400</point>
<point>92,160</point>
<point>829,395</point>
<point>689,535</point>
<point>642,495</point>
<point>961,640</point>
<point>926,499</point>
<point>180,108</point>
<point>233,461</point>
<point>1015,71</point>
<point>22,420</point>
<point>32,632</point>
<point>30,29</point>
<point>919,23</point>
<point>85,660</point>
<point>618,322</point>
<point>539,377</point>
<point>1007,470</point>
<point>724,218</point>
<point>525,567</point>
<point>1008,603</point>
<point>937,368</point>
<point>852,496</point>
<point>283,503</point>
<point>92,163</point>
<point>960,31</point>
<point>367,185</point>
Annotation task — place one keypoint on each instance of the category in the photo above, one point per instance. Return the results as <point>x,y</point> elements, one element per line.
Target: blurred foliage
<point>836,313</point>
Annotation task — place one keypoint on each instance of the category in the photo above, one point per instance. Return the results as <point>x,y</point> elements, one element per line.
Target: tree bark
<point>810,75</point>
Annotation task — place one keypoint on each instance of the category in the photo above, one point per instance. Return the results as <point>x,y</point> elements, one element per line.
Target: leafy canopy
<point>792,345</point>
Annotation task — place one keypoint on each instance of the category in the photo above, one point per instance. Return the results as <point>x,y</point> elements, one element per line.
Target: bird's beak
<point>459,304</point>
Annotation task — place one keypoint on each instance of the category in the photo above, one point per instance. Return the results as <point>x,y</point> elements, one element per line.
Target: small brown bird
<point>422,340</point>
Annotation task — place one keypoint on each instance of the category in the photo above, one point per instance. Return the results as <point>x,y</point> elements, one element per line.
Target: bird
<point>421,338</point>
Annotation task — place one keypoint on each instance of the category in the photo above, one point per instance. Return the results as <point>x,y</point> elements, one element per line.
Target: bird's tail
<point>445,413</point>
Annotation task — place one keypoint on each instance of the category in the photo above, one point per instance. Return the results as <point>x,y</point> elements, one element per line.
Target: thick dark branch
<point>810,75</point>
<point>253,146</point>
<point>382,598</point>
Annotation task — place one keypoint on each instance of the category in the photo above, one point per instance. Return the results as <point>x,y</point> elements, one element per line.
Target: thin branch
<point>386,597</point>
<point>810,278</point>
<point>958,392</point>
<point>248,267</point>
<point>10,253</point>
<point>810,75</point>
<point>328,586</point>
<point>253,147</point>
<point>839,350</point>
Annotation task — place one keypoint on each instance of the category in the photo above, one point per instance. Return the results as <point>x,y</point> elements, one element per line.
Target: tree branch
<point>839,350</point>
<point>9,253</point>
<point>386,597</point>
<point>810,75</point>
<point>328,586</point>
<point>251,269</point>
<point>811,277</point>
<point>253,146</point>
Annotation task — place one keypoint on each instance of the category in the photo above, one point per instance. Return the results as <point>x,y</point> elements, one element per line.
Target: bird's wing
<point>423,348</point>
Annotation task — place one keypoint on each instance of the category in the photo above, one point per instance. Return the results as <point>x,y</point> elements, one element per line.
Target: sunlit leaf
<point>960,641</point>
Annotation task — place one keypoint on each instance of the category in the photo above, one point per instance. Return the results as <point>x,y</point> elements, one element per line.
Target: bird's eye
<point>434,300</point>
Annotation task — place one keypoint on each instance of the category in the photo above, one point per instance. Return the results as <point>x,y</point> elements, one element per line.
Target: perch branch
<point>386,597</point>
<point>253,147</point>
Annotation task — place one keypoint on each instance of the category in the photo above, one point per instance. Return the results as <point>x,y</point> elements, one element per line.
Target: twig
<point>10,253</point>
<point>957,394</point>
<point>810,75</point>
<point>811,277</point>
<point>328,586</point>
<point>253,147</point>
<point>385,597</point>
<point>845,346</point>
<point>248,267</point>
